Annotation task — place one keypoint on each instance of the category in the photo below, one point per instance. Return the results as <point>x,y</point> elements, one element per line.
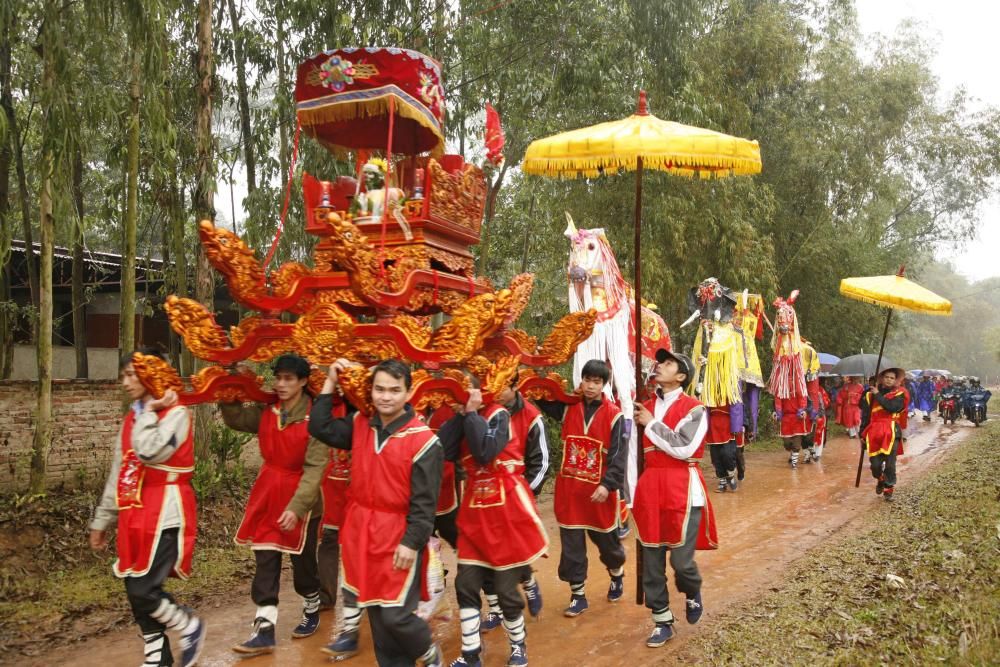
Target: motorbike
<point>948,407</point>
<point>976,409</point>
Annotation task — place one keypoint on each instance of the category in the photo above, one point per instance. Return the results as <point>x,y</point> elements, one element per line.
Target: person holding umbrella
<point>883,408</point>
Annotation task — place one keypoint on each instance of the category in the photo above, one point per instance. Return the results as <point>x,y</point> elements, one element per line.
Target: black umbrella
<point>861,365</point>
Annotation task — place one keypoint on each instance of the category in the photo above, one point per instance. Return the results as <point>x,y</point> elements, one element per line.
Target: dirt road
<point>774,517</point>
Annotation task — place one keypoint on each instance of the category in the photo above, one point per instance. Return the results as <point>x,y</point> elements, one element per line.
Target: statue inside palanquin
<point>372,201</point>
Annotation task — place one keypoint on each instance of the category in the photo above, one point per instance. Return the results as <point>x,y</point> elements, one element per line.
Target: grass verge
<point>54,590</point>
<point>941,538</point>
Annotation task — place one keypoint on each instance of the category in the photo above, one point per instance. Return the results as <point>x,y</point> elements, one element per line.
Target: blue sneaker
<point>467,660</point>
<point>261,640</point>
<point>533,593</point>
<point>624,531</point>
<point>343,647</point>
<point>192,642</point>
<point>661,635</point>
<point>307,626</point>
<point>694,608</point>
<point>617,588</point>
<point>577,605</point>
<point>491,621</point>
<point>518,655</point>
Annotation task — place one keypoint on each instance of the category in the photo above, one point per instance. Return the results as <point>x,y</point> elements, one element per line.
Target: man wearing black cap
<point>284,509</point>
<point>671,509</point>
<point>883,409</point>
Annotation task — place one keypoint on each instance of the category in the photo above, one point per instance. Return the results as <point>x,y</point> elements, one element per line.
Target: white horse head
<point>592,267</point>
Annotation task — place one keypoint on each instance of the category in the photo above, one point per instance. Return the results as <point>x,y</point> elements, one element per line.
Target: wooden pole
<point>878,367</point>
<point>637,277</point>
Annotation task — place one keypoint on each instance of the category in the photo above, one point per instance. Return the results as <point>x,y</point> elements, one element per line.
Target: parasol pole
<point>637,283</point>
<point>878,367</point>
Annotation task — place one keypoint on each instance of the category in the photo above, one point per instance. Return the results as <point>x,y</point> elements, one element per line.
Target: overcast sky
<point>966,38</point>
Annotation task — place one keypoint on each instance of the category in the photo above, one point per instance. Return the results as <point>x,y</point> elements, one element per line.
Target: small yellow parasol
<point>641,140</point>
<point>892,293</point>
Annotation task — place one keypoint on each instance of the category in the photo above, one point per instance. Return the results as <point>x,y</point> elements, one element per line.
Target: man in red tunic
<point>848,406</point>
<point>526,424</point>
<point>396,463</point>
<point>588,485</point>
<point>284,510</point>
<point>882,408</point>
<point>149,493</point>
<point>499,530</point>
<point>671,509</point>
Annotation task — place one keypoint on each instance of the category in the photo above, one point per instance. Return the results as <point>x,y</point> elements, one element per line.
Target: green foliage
<point>866,164</point>
<point>223,472</point>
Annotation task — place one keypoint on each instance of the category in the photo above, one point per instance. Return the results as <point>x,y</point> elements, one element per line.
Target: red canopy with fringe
<point>342,100</point>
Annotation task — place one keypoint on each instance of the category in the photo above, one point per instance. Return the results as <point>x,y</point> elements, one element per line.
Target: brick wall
<point>86,414</point>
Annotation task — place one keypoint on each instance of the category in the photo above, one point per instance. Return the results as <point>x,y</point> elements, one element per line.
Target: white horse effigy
<point>595,281</point>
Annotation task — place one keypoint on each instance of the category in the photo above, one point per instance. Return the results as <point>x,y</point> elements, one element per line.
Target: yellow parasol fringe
<point>377,106</point>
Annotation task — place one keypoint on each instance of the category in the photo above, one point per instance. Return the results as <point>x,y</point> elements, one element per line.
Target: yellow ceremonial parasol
<point>893,293</point>
<point>641,140</point>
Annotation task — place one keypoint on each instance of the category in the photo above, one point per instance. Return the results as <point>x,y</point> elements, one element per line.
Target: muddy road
<point>764,527</point>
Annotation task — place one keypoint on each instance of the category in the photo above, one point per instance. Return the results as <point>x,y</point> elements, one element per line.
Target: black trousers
<point>884,464</point>
<point>723,458</point>
<point>145,592</point>
<point>399,635</point>
<point>741,463</point>
<point>446,528</point>
<point>305,570</point>
<point>473,578</point>
<point>524,576</point>
<point>329,566</point>
<point>573,556</point>
<point>686,575</point>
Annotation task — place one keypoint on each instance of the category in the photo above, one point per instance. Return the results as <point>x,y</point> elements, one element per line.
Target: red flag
<point>494,136</point>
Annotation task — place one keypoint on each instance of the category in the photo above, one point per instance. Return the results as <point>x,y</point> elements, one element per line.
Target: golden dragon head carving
<point>196,325</point>
<point>155,374</point>
<point>567,335</point>
<point>234,260</point>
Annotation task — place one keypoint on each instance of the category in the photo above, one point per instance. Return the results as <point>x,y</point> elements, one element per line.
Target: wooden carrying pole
<point>637,276</point>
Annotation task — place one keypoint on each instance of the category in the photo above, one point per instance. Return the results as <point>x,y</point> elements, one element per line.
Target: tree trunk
<point>204,204</point>
<point>491,199</point>
<point>31,264</point>
<point>279,13</point>
<point>7,315</point>
<point>126,339</point>
<point>42,441</point>
<point>183,358</point>
<point>244,103</point>
<point>78,297</point>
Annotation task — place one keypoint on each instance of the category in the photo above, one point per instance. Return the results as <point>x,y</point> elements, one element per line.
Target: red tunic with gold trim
<point>791,424</point>
<point>720,427</point>
<point>284,452</point>
<point>377,508</point>
<point>819,435</point>
<point>448,497</point>
<point>143,489</point>
<point>883,431</point>
<point>498,523</point>
<point>848,405</point>
<point>336,479</point>
<point>661,508</point>
<point>584,463</point>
